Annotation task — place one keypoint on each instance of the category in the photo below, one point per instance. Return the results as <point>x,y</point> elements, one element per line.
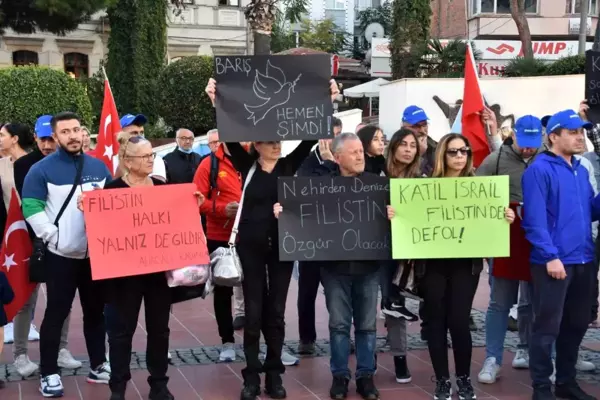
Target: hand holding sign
<point>277,209</point>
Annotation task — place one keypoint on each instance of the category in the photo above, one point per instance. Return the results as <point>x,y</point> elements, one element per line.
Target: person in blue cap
<point>560,207</point>
<point>134,125</point>
<point>415,119</point>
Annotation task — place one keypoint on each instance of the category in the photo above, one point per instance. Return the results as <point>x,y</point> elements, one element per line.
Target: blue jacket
<point>559,207</point>
<point>6,297</point>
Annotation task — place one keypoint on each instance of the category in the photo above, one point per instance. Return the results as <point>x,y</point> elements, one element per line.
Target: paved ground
<point>196,374</point>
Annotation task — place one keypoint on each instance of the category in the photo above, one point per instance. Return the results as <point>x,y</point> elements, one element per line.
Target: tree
<point>447,61</point>
<point>409,36</point>
<point>261,15</point>
<point>282,38</point>
<point>137,49</point>
<point>522,66</point>
<point>323,35</point>
<point>180,105</point>
<point>28,92</point>
<point>381,15</point>
<point>517,11</point>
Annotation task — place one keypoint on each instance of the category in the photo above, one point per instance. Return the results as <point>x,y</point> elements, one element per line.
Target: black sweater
<point>257,223</point>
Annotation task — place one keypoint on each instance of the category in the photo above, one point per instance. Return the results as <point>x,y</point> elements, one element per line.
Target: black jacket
<point>22,167</point>
<point>375,165</point>
<point>329,168</point>
<point>181,166</point>
<point>311,165</point>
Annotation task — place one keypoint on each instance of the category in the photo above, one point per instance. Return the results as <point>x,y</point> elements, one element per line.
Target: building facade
<point>203,27</point>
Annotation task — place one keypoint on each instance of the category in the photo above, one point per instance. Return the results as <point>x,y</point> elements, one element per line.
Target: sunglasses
<point>134,140</point>
<point>465,151</point>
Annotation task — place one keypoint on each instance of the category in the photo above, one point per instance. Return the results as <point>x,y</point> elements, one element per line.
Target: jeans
<point>222,303</point>
<point>561,313</point>
<point>448,289</point>
<point>266,283</point>
<point>125,296</point>
<point>68,276</point>
<point>504,293</point>
<point>308,288</point>
<point>348,297</point>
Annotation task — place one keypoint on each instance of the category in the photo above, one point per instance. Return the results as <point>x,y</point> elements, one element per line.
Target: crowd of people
<point>550,174</point>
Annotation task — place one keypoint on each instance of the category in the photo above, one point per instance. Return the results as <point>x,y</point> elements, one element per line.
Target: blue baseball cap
<point>567,119</point>
<point>43,126</point>
<point>528,132</point>
<point>130,119</point>
<point>413,115</point>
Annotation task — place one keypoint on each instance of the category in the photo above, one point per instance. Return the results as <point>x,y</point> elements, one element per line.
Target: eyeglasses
<point>186,139</point>
<point>146,158</point>
<point>465,151</point>
<point>213,142</point>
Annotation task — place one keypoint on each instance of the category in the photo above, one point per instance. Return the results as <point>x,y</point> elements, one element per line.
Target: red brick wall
<point>449,19</point>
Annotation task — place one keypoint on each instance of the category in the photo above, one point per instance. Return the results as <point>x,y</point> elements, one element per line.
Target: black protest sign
<point>334,219</point>
<point>592,85</point>
<point>273,98</point>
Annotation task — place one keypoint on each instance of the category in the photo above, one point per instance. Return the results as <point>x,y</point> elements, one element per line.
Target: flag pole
<point>107,81</point>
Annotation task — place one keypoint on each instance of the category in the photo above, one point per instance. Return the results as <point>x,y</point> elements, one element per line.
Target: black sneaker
<point>571,391</point>
<point>274,387</point>
<point>306,348</point>
<point>402,372</point>
<point>543,393</point>
<point>366,388</point>
<point>250,391</point>
<point>339,388</point>
<point>238,323</point>
<point>397,310</point>
<point>443,389</point>
<point>160,393</point>
<point>465,389</point>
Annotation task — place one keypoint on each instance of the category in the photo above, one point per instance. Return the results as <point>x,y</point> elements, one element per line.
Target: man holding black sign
<point>351,289</point>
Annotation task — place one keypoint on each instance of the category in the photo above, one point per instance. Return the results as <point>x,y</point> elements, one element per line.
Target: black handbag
<point>37,268</point>
<point>185,293</point>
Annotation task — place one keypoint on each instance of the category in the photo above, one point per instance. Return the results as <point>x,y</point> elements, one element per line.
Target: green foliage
<point>29,92</point>
<point>56,16</point>
<point>323,35</point>
<point>409,36</point>
<point>95,91</point>
<point>180,102</point>
<point>136,54</point>
<point>571,65</point>
<point>381,14</point>
<point>525,67</point>
<point>447,61</point>
<point>282,38</point>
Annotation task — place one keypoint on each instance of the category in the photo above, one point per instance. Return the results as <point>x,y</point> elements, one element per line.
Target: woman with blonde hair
<point>87,140</point>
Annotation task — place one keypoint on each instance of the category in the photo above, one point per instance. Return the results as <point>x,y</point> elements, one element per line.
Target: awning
<point>368,89</point>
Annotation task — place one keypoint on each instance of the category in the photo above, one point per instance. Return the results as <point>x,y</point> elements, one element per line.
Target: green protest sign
<point>450,217</point>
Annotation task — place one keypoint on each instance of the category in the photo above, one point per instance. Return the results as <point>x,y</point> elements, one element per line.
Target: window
<point>230,3</point>
<point>24,57</point>
<point>574,7</point>
<point>77,64</point>
<point>500,6</point>
<point>335,5</point>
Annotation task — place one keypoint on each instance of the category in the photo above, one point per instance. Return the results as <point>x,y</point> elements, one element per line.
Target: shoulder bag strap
<point>234,230</point>
<point>73,188</point>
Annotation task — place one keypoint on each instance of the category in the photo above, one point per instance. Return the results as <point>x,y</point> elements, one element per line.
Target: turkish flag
<point>516,267</point>
<point>107,146</point>
<point>14,256</point>
<point>473,105</point>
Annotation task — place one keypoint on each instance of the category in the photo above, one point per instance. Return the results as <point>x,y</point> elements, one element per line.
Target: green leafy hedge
<point>182,102</point>
<point>570,65</point>
<point>28,92</point>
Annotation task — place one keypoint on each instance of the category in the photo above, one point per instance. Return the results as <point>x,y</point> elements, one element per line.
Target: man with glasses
<point>134,125</point>
<point>182,162</point>
<point>213,140</point>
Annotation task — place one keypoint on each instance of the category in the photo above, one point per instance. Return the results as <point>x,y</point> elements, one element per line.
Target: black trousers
<point>68,275</point>
<point>222,302</point>
<point>266,283</point>
<point>448,290</point>
<point>308,288</point>
<point>126,295</point>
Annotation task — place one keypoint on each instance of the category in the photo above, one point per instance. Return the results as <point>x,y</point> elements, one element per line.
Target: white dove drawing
<point>271,87</point>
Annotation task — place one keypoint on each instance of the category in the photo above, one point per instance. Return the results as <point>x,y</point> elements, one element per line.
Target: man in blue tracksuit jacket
<point>559,206</point>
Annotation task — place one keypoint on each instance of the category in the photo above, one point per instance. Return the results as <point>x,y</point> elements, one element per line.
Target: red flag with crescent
<point>14,256</point>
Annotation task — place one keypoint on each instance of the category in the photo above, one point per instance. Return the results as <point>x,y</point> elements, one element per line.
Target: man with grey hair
<point>182,162</point>
<point>213,139</point>
<point>351,291</point>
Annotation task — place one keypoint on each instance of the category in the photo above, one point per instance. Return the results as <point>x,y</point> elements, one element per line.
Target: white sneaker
<point>227,353</point>
<point>490,371</point>
<point>34,335</point>
<point>521,360</point>
<point>100,374</point>
<point>66,360</point>
<point>24,366</point>
<point>288,360</point>
<point>9,335</point>
<point>169,356</point>
<point>51,386</point>
<point>584,366</point>
<point>553,376</point>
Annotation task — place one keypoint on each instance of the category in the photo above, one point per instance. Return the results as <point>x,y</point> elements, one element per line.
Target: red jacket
<point>229,189</point>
